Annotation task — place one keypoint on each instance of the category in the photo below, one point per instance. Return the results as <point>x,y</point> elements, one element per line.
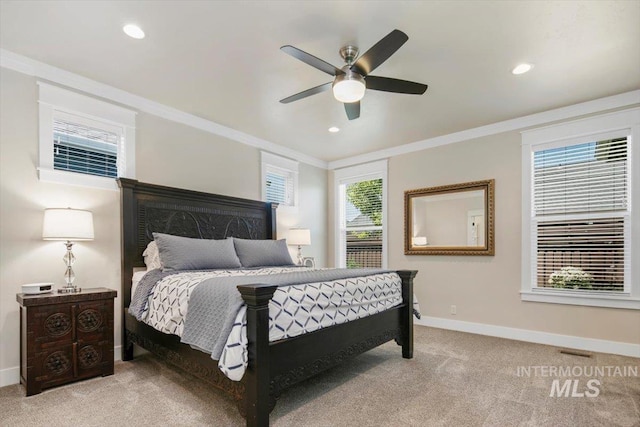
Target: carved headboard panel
<point>148,208</point>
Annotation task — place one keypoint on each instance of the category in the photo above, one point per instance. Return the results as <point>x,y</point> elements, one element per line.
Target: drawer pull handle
<point>88,357</point>
<point>57,324</point>
<point>89,320</point>
<point>57,363</point>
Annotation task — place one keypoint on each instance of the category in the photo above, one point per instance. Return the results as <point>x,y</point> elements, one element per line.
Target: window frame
<point>570,133</point>
<point>58,102</point>
<point>349,175</point>
<point>274,163</point>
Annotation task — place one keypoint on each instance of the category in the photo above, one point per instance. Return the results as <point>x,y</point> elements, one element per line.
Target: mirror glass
<point>450,220</point>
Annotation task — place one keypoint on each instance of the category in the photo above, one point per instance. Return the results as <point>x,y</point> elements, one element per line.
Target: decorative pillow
<point>184,253</point>
<point>262,253</point>
<point>152,256</point>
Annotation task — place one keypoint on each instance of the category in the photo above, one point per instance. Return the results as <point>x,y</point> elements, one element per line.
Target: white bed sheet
<point>137,276</point>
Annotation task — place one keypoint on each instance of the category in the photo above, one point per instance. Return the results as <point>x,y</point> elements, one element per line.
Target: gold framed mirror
<point>453,219</point>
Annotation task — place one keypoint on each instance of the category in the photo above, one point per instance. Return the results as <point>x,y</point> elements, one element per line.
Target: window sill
<point>73,178</point>
<point>553,297</point>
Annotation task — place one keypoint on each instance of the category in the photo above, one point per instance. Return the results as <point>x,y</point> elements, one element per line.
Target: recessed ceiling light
<point>334,129</point>
<point>522,68</point>
<point>134,31</point>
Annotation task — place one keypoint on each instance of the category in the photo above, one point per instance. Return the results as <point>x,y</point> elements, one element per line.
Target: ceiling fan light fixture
<point>349,87</point>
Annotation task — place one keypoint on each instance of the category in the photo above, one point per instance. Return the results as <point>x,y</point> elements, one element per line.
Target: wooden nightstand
<point>65,337</point>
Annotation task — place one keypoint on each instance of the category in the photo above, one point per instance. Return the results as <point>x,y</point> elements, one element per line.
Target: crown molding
<point>31,67</point>
<point>38,69</point>
<point>598,105</point>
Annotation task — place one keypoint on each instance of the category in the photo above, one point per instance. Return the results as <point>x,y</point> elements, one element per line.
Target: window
<point>361,212</point>
<point>578,217</point>
<point>84,141</point>
<point>279,180</point>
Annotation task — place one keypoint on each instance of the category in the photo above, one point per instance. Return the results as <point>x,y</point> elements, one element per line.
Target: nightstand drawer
<point>54,366</point>
<point>92,320</point>
<point>65,323</point>
<point>94,358</point>
<point>59,365</point>
<point>52,324</point>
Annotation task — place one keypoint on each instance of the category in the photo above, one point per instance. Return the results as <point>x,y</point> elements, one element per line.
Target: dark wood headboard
<point>148,208</point>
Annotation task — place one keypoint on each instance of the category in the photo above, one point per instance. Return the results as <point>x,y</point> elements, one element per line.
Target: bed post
<point>258,403</point>
<point>406,319</point>
<point>272,232</point>
<point>127,230</point>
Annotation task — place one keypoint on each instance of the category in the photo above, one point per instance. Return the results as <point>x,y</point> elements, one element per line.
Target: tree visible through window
<point>363,225</point>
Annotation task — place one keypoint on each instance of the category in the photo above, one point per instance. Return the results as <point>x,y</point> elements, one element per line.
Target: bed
<point>272,366</point>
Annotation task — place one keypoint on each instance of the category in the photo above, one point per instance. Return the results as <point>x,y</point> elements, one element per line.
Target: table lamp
<point>68,225</point>
<point>300,237</point>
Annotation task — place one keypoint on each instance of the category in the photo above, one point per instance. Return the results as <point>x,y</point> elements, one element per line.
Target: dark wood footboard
<point>273,367</point>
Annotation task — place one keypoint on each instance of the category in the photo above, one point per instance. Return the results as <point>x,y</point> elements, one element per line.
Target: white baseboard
<point>11,376</point>
<point>557,340</point>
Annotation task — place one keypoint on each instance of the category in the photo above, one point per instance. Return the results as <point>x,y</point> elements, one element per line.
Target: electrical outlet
<point>453,309</point>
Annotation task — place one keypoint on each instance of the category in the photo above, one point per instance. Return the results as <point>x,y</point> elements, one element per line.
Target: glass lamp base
<point>69,275</point>
<point>69,290</point>
<point>300,257</point>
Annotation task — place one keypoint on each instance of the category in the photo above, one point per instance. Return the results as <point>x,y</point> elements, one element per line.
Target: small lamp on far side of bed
<point>300,237</point>
<point>69,225</point>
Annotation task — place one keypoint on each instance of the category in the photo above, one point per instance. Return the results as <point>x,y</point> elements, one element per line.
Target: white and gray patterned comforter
<point>293,310</point>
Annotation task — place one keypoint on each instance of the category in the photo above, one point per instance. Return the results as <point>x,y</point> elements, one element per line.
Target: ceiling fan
<point>353,79</point>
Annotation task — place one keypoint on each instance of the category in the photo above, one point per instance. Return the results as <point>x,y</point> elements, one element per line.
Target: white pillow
<point>152,256</point>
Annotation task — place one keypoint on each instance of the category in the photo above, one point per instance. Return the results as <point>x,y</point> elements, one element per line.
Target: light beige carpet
<point>455,379</point>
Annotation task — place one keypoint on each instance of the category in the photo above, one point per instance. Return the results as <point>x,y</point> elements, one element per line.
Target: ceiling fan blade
<point>312,60</point>
<point>306,93</point>
<point>380,52</point>
<point>387,84</point>
<point>352,109</point>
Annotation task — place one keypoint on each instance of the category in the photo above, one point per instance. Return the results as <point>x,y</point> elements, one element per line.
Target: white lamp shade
<point>67,224</point>
<point>299,236</point>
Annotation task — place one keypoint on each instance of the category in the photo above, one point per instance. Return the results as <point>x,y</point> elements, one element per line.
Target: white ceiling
<point>220,60</point>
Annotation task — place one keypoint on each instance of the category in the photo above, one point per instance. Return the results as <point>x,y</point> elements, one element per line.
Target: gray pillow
<point>184,253</point>
<point>262,253</point>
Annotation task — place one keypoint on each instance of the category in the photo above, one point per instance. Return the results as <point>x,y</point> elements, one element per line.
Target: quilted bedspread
<point>205,309</point>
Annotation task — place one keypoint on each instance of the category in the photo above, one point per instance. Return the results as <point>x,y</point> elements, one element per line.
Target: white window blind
<point>84,149</point>
<point>280,186</point>
<point>580,200</point>
<point>590,177</point>
<point>279,180</point>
